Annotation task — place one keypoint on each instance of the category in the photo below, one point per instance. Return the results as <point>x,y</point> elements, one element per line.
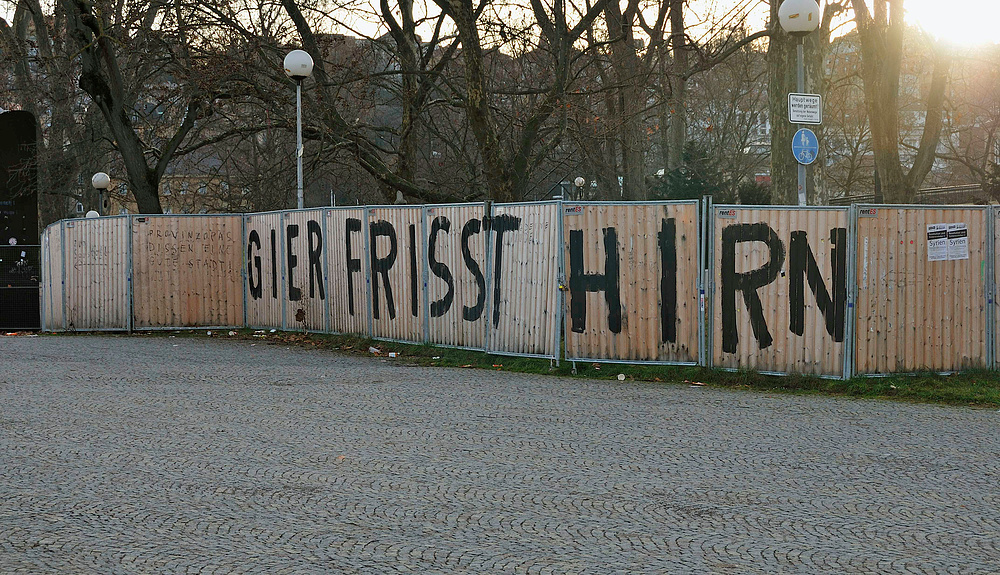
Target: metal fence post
<point>366,231</point>
<point>488,227</point>
<point>425,273</point>
<point>990,287</point>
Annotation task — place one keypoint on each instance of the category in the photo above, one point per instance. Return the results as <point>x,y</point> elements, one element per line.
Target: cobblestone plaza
<point>195,455</point>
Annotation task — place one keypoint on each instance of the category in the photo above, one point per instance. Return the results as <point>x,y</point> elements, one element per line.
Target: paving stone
<point>130,455</point>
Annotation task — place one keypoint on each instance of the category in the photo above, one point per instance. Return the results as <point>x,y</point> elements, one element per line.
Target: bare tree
<point>882,32</point>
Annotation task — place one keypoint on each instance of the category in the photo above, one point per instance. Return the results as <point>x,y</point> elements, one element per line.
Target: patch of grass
<point>977,388</point>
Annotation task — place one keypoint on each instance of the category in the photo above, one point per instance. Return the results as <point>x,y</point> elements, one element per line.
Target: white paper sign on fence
<point>958,241</point>
<point>937,242</point>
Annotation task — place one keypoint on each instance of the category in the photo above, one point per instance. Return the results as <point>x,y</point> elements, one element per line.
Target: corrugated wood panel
<point>96,273</point>
<point>305,268</point>
<point>780,289</point>
<point>456,248</point>
<point>914,314</point>
<point>52,277</point>
<point>524,278</point>
<point>648,309</point>
<point>187,271</point>
<point>346,260</point>
<point>396,260</point>
<point>996,287</point>
<point>265,278</point>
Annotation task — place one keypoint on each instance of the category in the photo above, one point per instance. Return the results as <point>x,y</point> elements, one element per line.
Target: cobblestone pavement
<point>179,455</point>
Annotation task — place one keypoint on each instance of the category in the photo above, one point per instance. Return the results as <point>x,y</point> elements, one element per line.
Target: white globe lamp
<point>799,17</point>
<point>298,65</point>
<point>101,181</point>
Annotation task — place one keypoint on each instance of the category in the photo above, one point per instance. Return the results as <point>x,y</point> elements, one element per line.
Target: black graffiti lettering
<point>473,313</point>
<point>441,306</point>
<point>801,266</point>
<point>501,224</point>
<point>668,279</point>
<point>414,284</point>
<point>747,282</point>
<point>315,253</point>
<point>292,232</point>
<point>353,264</point>
<point>253,263</point>
<point>274,264</point>
<point>381,266</point>
<point>581,282</point>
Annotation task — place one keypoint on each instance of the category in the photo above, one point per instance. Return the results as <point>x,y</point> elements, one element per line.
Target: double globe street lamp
<point>298,67</point>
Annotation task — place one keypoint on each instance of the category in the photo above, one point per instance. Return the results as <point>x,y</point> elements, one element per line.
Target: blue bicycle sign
<point>805,146</point>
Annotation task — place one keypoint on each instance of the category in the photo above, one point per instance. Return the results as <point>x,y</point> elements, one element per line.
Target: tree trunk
<point>477,106</point>
<point>629,79</point>
<point>780,81</point>
<point>882,55</point>
<point>677,103</point>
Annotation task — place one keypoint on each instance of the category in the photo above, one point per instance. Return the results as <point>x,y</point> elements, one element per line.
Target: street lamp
<point>101,183</point>
<point>298,67</point>
<point>799,18</point>
<point>579,182</point>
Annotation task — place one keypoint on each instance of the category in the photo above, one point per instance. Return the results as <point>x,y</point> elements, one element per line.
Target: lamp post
<point>799,18</point>
<point>101,183</point>
<point>298,67</point>
<point>579,182</point>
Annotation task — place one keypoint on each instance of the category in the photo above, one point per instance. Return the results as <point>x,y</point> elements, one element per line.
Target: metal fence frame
<point>699,283</point>
<point>487,213</point>
<point>712,263</point>
<point>56,295</point>
<point>989,269</point>
<point>560,272</point>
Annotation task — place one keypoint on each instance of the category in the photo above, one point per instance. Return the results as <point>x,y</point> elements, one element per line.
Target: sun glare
<point>965,22</point>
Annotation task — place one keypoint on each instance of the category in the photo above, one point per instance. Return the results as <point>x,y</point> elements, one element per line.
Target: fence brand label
<point>958,241</point>
<point>573,210</point>
<point>868,213</point>
<point>729,214</point>
<point>937,242</point>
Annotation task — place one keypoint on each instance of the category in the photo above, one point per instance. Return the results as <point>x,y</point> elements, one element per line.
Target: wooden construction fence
<point>779,289</point>
<point>825,291</point>
<point>632,273</point>
<point>921,288</point>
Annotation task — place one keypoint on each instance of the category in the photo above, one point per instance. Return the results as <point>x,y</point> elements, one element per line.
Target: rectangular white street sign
<point>805,109</point>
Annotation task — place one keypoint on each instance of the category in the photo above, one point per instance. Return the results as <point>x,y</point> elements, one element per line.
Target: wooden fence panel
<point>638,301</point>
<point>780,289</point>
<point>305,270</point>
<point>52,278</point>
<point>456,290</point>
<point>524,306</point>
<point>396,260</point>
<point>96,273</point>
<point>265,283</point>
<point>346,262</point>
<point>187,271</point>
<point>921,289</point>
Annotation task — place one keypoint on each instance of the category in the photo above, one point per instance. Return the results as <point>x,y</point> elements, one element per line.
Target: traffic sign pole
<point>800,85</point>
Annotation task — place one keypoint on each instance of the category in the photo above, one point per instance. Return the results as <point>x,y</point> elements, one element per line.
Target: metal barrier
<point>20,273</point>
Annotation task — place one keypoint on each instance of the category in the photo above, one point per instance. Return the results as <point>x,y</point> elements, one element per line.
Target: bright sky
<point>964,22</point>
